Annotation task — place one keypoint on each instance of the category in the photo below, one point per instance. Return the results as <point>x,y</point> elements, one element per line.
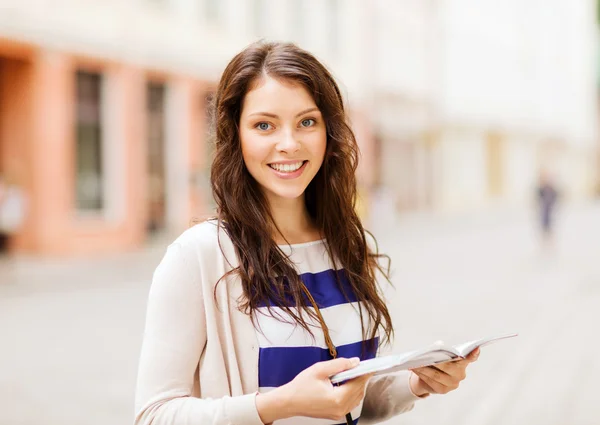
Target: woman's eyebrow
<point>269,114</point>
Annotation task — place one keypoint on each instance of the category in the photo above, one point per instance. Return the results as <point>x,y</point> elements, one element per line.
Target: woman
<point>249,314</point>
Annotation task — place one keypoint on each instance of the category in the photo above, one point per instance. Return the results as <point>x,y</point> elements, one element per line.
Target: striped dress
<point>286,349</point>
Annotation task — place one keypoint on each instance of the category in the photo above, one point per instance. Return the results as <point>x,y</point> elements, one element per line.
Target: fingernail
<point>354,361</point>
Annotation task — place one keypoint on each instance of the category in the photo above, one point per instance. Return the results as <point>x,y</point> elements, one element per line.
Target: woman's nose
<point>288,142</point>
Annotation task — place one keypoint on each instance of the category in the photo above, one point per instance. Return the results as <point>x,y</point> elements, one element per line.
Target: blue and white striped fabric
<point>286,349</point>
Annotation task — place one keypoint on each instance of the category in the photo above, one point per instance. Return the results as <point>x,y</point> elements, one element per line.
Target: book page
<point>388,364</point>
<point>434,354</point>
<point>429,359</point>
<point>465,348</point>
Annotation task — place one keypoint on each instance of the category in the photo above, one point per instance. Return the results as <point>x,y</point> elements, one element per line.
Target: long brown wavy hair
<point>267,274</point>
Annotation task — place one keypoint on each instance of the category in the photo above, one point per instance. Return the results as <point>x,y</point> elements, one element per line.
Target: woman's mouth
<point>288,170</point>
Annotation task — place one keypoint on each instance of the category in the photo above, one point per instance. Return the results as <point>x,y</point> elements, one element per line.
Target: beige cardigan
<point>199,360</point>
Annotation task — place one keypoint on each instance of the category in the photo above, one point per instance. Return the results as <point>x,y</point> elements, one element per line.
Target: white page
<point>388,364</point>
<point>434,354</point>
<point>465,348</point>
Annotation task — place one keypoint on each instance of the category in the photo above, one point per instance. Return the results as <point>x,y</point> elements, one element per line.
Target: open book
<point>434,354</point>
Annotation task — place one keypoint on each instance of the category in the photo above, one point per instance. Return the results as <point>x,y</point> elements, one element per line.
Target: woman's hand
<point>442,378</point>
<point>312,394</point>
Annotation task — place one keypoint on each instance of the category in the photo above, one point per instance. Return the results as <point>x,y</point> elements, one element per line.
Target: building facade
<point>474,99</point>
<point>457,104</point>
<point>103,107</point>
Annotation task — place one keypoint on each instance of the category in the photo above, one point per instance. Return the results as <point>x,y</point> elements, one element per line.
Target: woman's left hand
<point>442,378</point>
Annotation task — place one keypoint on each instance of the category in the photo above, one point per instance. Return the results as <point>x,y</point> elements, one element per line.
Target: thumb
<point>331,367</point>
<point>473,355</point>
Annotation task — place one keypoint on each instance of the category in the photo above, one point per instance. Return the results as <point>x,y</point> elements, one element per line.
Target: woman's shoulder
<point>199,234</point>
<point>207,240</point>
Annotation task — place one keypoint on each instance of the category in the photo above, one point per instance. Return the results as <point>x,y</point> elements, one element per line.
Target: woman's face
<point>283,137</point>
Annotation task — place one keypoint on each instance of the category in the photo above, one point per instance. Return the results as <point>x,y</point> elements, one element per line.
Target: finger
<point>450,366</point>
<point>358,398</point>
<point>473,355</point>
<point>436,387</point>
<point>351,393</point>
<point>357,384</point>
<point>355,401</point>
<point>352,387</point>
<point>331,367</point>
<point>457,371</point>
<point>425,386</point>
<point>436,375</point>
<point>454,369</point>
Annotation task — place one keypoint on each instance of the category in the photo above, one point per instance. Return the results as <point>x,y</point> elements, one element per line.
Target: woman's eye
<point>264,126</point>
<point>309,122</point>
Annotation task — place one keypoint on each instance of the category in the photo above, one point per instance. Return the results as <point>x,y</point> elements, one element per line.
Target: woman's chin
<point>288,194</point>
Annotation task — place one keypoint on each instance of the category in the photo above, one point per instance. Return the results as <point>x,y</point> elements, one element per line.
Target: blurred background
<point>480,176</point>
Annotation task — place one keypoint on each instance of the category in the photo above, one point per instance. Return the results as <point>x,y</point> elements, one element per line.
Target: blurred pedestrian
<point>249,314</point>
<point>12,210</point>
<point>547,197</point>
<point>3,232</point>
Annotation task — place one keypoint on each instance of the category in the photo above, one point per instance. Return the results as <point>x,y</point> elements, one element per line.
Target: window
<point>208,137</point>
<point>89,167</point>
<point>333,24</point>
<point>156,156</point>
<point>211,10</point>
<point>159,4</point>
<point>258,20</point>
<point>208,109</point>
<point>297,20</point>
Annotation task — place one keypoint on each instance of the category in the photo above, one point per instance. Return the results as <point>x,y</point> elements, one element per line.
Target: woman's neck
<point>292,221</point>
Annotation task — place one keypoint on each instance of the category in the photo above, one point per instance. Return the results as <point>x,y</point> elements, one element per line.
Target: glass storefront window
<point>156,155</point>
<point>89,167</point>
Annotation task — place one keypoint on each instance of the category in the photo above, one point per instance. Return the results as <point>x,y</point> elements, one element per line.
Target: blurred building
<point>456,103</point>
<point>474,97</point>
<point>103,106</point>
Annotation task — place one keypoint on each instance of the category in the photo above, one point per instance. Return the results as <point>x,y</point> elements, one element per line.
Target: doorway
<point>156,193</point>
<point>495,163</point>
<point>15,133</point>
<point>3,184</point>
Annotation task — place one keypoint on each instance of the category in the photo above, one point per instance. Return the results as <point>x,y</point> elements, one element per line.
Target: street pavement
<point>70,331</point>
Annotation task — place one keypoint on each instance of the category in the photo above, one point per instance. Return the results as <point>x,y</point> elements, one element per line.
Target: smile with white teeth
<point>287,168</point>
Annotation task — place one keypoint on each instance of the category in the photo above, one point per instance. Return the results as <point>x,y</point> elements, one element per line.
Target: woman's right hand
<point>312,394</point>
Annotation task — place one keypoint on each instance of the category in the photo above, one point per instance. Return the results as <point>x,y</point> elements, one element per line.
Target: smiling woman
<point>249,314</point>
<point>283,140</point>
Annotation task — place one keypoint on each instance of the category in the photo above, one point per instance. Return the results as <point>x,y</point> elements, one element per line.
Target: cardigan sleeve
<point>387,396</point>
<point>174,337</point>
